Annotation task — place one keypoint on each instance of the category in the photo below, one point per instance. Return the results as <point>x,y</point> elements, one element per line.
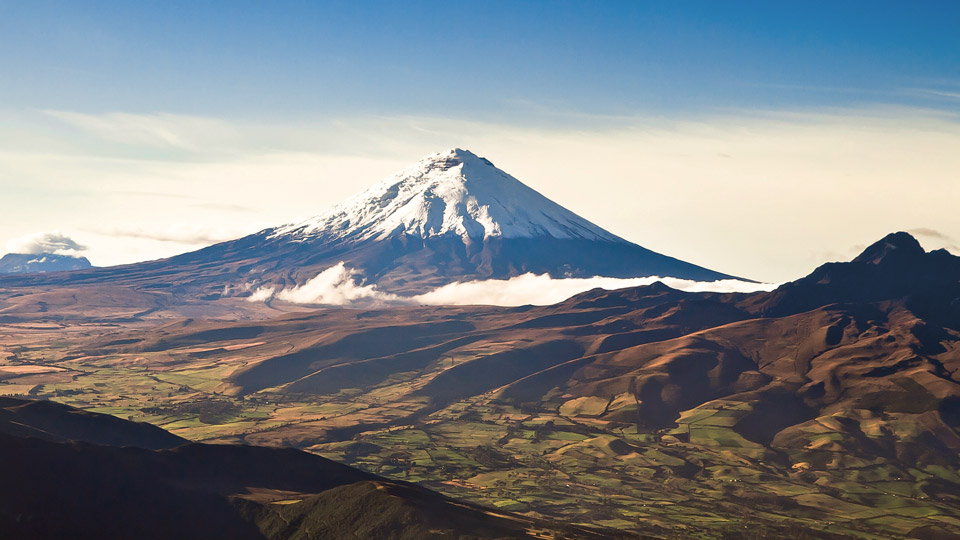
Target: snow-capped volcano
<point>451,217</point>
<point>452,193</point>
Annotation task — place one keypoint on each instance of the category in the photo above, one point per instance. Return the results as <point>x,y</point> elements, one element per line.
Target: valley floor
<point>562,460</point>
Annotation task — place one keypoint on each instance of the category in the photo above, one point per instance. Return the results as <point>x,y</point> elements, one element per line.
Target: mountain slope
<point>451,217</point>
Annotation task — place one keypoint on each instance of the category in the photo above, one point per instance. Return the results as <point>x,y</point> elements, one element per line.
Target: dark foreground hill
<point>80,490</point>
<point>59,423</point>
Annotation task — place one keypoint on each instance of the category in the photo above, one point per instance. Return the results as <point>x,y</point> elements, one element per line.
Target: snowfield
<point>452,193</point>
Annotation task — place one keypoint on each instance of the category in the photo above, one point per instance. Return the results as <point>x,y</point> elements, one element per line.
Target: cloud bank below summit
<point>545,290</point>
<point>340,285</point>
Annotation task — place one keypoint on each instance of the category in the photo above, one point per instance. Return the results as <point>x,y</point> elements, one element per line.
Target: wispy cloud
<point>45,242</point>
<point>178,233</point>
<point>163,130</point>
<point>945,240</point>
<point>929,233</point>
<point>260,295</point>
<point>152,194</point>
<point>338,286</point>
<point>223,206</point>
<point>938,93</point>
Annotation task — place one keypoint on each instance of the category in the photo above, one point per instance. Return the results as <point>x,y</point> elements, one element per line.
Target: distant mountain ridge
<point>24,263</point>
<point>894,267</point>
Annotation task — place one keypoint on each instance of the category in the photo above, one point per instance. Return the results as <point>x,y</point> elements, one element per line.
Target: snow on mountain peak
<point>451,193</point>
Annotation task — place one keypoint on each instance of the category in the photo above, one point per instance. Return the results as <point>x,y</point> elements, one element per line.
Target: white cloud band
<point>338,285</point>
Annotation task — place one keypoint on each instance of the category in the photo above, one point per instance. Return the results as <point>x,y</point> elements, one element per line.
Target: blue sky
<point>759,139</point>
<point>488,59</point>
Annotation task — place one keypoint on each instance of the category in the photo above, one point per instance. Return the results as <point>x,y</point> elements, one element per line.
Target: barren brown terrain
<point>827,408</point>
